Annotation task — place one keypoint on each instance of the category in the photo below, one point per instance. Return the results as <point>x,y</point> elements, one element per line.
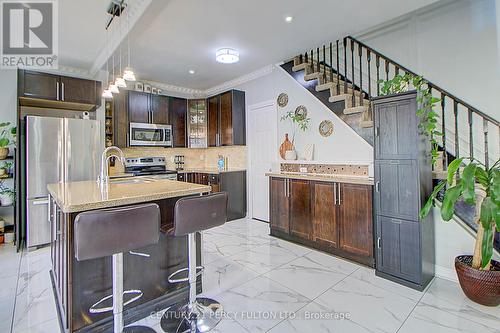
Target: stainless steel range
<point>153,167</point>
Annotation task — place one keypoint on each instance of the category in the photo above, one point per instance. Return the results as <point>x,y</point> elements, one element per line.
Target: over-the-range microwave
<point>142,134</point>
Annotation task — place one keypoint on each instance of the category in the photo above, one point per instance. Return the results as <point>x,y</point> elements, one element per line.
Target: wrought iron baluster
<point>396,71</point>
<point>352,75</point>
<point>345,65</point>
<point>386,70</point>
<point>306,56</point>
<point>455,113</point>
<point>312,61</point>
<point>317,61</point>
<point>377,63</point>
<point>331,62</point>
<point>368,59</point>
<point>324,65</point>
<point>338,68</point>
<point>360,53</point>
<point>443,130</point>
<point>485,133</point>
<point>471,136</point>
<point>300,58</point>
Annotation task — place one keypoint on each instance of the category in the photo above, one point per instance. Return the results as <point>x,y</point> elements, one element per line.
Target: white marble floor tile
<point>431,318</point>
<point>306,276</point>
<point>368,275</point>
<point>449,298</point>
<point>369,306</point>
<point>263,258</point>
<point>49,326</point>
<point>224,274</point>
<point>319,319</point>
<point>260,304</point>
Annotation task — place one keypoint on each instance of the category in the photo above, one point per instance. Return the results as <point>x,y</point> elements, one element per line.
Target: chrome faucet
<point>104,175</point>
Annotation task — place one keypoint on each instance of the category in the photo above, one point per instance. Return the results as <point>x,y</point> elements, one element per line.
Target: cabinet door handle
<point>376,130</point>
<point>57,90</point>
<point>288,182</point>
<point>340,195</point>
<point>145,255</point>
<point>335,194</point>
<point>62,91</point>
<point>377,187</point>
<point>378,243</point>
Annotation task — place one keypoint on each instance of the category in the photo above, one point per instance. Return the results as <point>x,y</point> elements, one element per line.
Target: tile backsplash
<point>193,158</point>
<point>334,169</point>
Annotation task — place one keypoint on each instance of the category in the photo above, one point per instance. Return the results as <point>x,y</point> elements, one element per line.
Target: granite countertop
<point>210,170</point>
<point>363,180</point>
<point>87,195</point>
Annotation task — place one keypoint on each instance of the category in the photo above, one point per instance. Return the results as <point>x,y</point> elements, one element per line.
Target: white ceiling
<point>175,36</point>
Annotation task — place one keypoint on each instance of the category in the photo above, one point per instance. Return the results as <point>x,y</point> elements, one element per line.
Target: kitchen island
<point>78,285</point>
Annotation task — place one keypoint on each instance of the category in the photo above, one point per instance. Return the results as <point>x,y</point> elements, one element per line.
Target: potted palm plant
<point>478,185</point>
<point>7,134</point>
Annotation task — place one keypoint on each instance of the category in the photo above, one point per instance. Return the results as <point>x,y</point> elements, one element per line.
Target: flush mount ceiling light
<point>191,71</point>
<point>227,56</point>
<point>288,19</point>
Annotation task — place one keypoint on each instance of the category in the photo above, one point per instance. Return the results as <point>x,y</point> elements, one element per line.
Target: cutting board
<point>286,145</point>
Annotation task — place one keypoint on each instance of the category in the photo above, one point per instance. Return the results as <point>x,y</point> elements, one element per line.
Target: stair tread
<point>312,76</point>
<point>301,67</point>
<point>356,109</point>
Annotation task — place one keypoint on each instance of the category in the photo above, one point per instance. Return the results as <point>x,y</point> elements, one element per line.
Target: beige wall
<point>194,158</point>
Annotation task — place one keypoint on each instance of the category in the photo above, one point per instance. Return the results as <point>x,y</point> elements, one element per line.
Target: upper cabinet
<point>197,123</point>
<point>56,91</point>
<point>226,119</point>
<point>147,108</point>
<point>178,112</point>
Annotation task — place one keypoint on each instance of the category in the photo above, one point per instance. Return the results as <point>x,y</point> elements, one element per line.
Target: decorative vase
<point>4,152</point>
<point>309,152</point>
<point>290,155</point>
<point>480,286</point>
<point>286,146</point>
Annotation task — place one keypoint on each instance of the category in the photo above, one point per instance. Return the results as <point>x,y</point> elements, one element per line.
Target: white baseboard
<point>446,273</point>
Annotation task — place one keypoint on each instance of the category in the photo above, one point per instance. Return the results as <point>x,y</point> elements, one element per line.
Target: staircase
<point>344,75</point>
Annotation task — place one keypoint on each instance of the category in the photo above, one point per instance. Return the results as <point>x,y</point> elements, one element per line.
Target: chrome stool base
<point>138,329</point>
<point>207,313</point>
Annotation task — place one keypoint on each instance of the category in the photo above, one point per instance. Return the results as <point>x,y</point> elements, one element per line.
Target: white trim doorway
<point>262,156</point>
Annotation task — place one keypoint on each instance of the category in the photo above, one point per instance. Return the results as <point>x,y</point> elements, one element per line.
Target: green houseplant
<point>6,168</point>
<point>7,195</point>
<point>297,122</point>
<point>475,184</point>
<point>7,136</point>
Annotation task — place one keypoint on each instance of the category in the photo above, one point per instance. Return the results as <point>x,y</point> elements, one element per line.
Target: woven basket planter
<point>482,287</point>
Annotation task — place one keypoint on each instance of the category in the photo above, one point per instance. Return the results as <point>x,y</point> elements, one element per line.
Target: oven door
<point>149,135</point>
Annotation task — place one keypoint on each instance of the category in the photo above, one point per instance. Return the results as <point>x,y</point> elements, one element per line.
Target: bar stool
<point>192,215</point>
<point>101,233</point>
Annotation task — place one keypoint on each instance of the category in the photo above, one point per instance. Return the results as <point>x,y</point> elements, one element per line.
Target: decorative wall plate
<point>326,128</point>
<point>282,100</point>
<point>301,112</point>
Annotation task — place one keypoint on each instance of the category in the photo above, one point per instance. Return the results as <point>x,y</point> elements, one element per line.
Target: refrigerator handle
<point>62,91</point>
<point>57,90</point>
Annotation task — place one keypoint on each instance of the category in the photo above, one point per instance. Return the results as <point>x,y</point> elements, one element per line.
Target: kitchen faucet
<point>104,175</point>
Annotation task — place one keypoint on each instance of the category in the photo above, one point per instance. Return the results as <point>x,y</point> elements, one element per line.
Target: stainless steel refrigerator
<point>57,150</point>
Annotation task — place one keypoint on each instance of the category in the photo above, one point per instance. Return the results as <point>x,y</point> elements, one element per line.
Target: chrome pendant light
<point>120,81</point>
<point>112,87</point>
<point>128,73</point>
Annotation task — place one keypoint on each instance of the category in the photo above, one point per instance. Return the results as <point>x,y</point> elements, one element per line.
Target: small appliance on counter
<point>179,162</point>
<point>155,167</point>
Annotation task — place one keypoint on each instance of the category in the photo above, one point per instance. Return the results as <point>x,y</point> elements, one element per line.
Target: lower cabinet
<point>332,217</point>
<point>399,248</point>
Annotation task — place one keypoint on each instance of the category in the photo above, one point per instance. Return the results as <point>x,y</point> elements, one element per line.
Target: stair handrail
<point>432,85</point>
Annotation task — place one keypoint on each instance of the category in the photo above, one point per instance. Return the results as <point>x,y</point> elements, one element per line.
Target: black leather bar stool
<point>101,233</point>
<point>192,215</point>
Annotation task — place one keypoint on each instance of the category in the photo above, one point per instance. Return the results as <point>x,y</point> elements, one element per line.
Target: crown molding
<point>266,70</point>
<point>176,89</point>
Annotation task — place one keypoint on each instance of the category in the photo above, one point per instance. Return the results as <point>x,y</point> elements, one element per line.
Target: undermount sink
<point>130,181</point>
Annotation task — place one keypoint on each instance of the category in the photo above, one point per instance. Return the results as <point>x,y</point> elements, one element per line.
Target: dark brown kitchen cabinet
<point>226,119</point>
<point>43,89</point>
<point>79,90</point>
<point>177,115</point>
<point>332,217</point>
<point>120,119</point>
<point>138,107</point>
<point>324,204</point>
<point>299,193</point>
<point>355,214</point>
<point>159,110</point>
<point>280,205</point>
<point>147,108</point>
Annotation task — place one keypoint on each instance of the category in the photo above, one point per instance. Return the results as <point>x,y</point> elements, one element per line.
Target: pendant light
<point>128,73</point>
<point>112,87</point>
<point>120,81</point>
<point>106,93</point>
